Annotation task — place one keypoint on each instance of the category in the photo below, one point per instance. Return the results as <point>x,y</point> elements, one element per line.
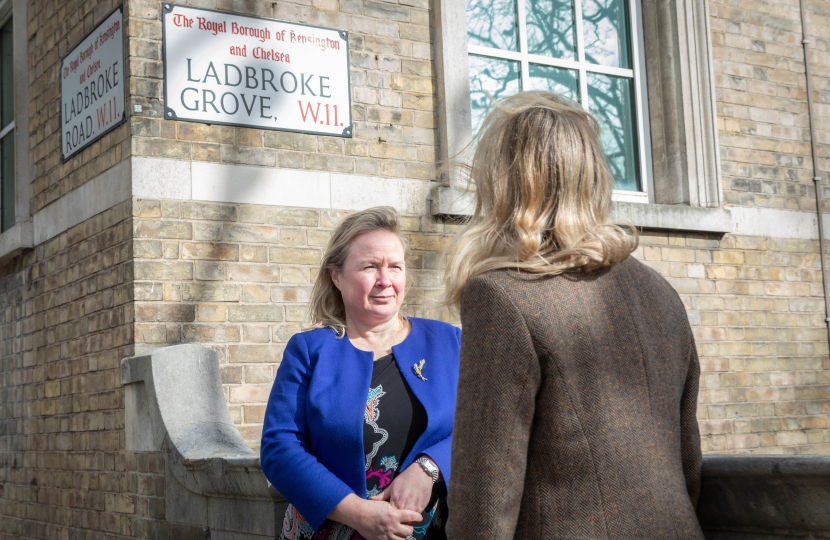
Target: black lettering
<point>324,86</point>
<point>205,101</point>
<point>196,103</point>
<point>208,74</point>
<point>305,84</point>
<point>282,82</point>
<point>228,78</point>
<point>107,79</point>
<point>270,79</point>
<point>189,78</point>
<point>115,74</point>
<point>250,73</point>
<point>101,88</point>
<point>262,107</point>
<point>86,97</point>
<point>92,88</point>
<point>235,101</point>
<point>68,144</point>
<point>245,102</point>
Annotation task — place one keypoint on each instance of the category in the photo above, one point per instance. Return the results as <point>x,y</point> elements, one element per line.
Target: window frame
<point>583,67</point>
<point>20,237</point>
<point>677,89</point>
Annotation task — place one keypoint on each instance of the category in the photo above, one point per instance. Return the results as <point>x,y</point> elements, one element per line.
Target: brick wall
<point>237,278</point>
<point>55,27</point>
<point>762,100</point>
<point>392,81</point>
<point>65,323</point>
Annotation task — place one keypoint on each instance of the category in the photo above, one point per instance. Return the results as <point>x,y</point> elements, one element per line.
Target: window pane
<point>556,80</point>
<point>7,182</point>
<point>492,23</point>
<point>612,102</point>
<point>7,75</point>
<point>606,26</point>
<point>499,78</point>
<point>550,28</point>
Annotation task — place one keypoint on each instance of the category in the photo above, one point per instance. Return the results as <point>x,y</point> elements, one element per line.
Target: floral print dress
<point>393,421</point>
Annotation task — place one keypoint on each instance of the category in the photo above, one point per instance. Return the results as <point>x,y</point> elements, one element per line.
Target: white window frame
<point>20,237</point>
<point>678,90</point>
<point>583,67</point>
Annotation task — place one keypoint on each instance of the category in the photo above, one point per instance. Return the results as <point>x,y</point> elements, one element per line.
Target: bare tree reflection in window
<point>492,23</point>
<point>557,80</point>
<point>499,78</point>
<point>611,101</point>
<point>550,28</point>
<point>605,25</point>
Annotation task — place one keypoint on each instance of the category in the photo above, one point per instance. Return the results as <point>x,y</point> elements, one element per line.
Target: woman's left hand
<point>410,490</point>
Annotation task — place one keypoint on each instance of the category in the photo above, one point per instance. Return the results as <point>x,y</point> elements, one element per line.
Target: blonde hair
<point>326,303</point>
<point>543,195</point>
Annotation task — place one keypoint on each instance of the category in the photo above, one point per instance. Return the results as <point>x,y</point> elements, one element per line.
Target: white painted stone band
<point>153,178</point>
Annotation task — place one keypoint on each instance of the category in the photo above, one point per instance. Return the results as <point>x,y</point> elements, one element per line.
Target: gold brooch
<point>417,369</point>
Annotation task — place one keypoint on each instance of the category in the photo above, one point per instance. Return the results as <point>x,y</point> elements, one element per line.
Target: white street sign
<point>221,68</point>
<point>92,86</point>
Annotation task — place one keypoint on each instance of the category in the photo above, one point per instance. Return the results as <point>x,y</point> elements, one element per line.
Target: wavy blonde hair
<point>543,195</point>
<point>326,303</point>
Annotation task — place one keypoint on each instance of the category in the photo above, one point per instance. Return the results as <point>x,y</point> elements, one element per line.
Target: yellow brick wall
<point>237,278</point>
<point>392,81</point>
<point>760,88</point>
<point>55,27</point>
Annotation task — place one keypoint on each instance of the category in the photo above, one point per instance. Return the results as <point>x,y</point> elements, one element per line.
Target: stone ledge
<point>745,496</point>
<point>449,200</point>
<point>16,240</point>
<point>673,218</point>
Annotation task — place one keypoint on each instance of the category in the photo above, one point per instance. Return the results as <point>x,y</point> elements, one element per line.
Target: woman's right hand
<point>375,520</point>
<point>385,522</point>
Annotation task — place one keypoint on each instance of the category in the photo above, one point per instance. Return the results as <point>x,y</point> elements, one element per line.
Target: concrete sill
<point>452,201</point>
<point>673,218</point>
<point>16,240</point>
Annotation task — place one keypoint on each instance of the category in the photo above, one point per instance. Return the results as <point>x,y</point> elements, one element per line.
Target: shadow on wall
<point>213,480</point>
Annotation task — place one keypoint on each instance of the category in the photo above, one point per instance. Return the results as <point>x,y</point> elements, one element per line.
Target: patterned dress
<point>393,421</point>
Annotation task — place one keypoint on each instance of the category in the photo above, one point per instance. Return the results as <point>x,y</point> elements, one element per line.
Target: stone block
<point>149,270</point>
<point>252,354</point>
<point>255,313</point>
<point>254,273</point>
<point>204,292</point>
<point>210,251</point>
<point>286,255</point>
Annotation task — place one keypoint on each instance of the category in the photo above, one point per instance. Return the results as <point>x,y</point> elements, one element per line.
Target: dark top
<point>393,421</point>
<point>576,408</point>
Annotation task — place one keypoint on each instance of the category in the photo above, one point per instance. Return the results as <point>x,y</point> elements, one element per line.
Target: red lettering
<point>309,111</point>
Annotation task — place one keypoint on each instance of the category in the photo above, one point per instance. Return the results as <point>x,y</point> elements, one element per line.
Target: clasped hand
<point>399,506</point>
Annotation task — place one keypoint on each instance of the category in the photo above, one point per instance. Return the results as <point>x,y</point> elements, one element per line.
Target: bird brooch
<point>417,369</point>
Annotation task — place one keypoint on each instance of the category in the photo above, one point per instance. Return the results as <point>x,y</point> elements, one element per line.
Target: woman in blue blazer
<point>358,426</point>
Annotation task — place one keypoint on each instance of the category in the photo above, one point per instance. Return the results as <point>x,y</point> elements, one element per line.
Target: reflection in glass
<point>612,102</point>
<point>557,80</point>
<point>605,24</point>
<point>492,23</point>
<point>499,78</point>
<point>550,28</point>
<point>6,75</point>
<point>7,181</point>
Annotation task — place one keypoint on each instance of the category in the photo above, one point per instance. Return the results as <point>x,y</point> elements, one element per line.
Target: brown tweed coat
<point>576,409</point>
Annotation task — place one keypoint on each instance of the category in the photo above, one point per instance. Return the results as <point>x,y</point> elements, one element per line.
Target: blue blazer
<point>312,440</point>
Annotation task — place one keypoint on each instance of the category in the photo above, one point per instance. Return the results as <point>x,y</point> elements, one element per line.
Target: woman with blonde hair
<point>358,426</point>
<point>578,375</point>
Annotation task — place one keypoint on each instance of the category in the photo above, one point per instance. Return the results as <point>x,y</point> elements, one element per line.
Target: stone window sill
<point>16,240</point>
<point>448,200</point>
